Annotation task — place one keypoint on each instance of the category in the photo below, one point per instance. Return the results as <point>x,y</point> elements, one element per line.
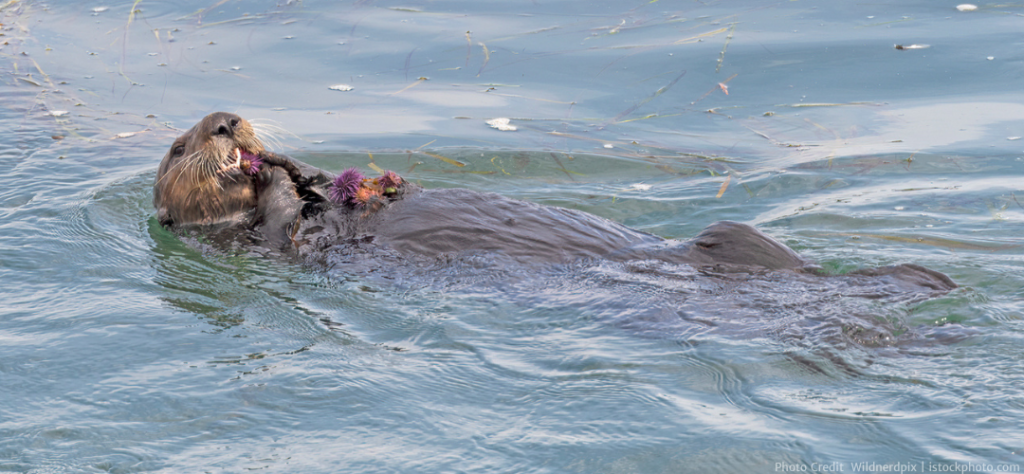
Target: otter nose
<point>224,124</point>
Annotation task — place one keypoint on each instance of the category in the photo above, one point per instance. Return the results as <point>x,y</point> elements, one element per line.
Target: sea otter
<point>219,176</point>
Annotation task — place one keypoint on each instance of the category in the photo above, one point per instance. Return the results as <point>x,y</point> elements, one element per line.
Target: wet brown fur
<point>192,186</point>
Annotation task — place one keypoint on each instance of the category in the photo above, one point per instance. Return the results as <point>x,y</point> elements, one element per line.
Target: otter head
<point>200,180</point>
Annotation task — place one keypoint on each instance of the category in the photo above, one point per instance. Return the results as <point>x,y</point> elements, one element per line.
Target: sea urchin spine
<point>248,162</point>
<point>346,185</point>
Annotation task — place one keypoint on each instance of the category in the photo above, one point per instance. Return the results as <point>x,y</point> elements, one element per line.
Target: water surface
<point>124,348</point>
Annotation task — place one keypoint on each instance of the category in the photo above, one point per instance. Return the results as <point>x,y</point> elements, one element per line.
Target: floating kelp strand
<point>721,57</point>
<point>444,159</point>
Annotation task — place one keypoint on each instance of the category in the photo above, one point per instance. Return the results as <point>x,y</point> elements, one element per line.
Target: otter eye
<point>178,150</point>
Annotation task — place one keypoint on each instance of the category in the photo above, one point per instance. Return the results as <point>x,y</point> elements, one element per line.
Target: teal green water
<point>124,349</point>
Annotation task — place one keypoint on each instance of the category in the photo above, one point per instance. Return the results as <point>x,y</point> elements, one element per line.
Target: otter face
<point>200,180</point>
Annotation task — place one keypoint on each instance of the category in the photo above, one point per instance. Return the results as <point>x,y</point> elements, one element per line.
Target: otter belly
<point>459,221</point>
<point>452,221</point>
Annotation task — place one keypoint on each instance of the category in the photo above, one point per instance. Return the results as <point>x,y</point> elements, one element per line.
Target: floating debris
<point>912,46</point>
<point>100,9</point>
<point>487,58</point>
<point>341,87</point>
<point>58,113</point>
<point>609,146</point>
<point>966,7</point>
<point>721,57</point>
<point>126,134</point>
<point>502,124</point>
<point>649,98</point>
<point>821,104</point>
<point>1013,138</point>
<point>410,86</point>
<point>700,37</point>
<point>640,187</point>
<point>443,158</point>
<point>725,185</point>
<point>990,58</point>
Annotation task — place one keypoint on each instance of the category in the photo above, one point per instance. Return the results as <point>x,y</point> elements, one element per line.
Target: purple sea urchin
<point>346,185</point>
<point>249,163</point>
<point>390,179</point>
